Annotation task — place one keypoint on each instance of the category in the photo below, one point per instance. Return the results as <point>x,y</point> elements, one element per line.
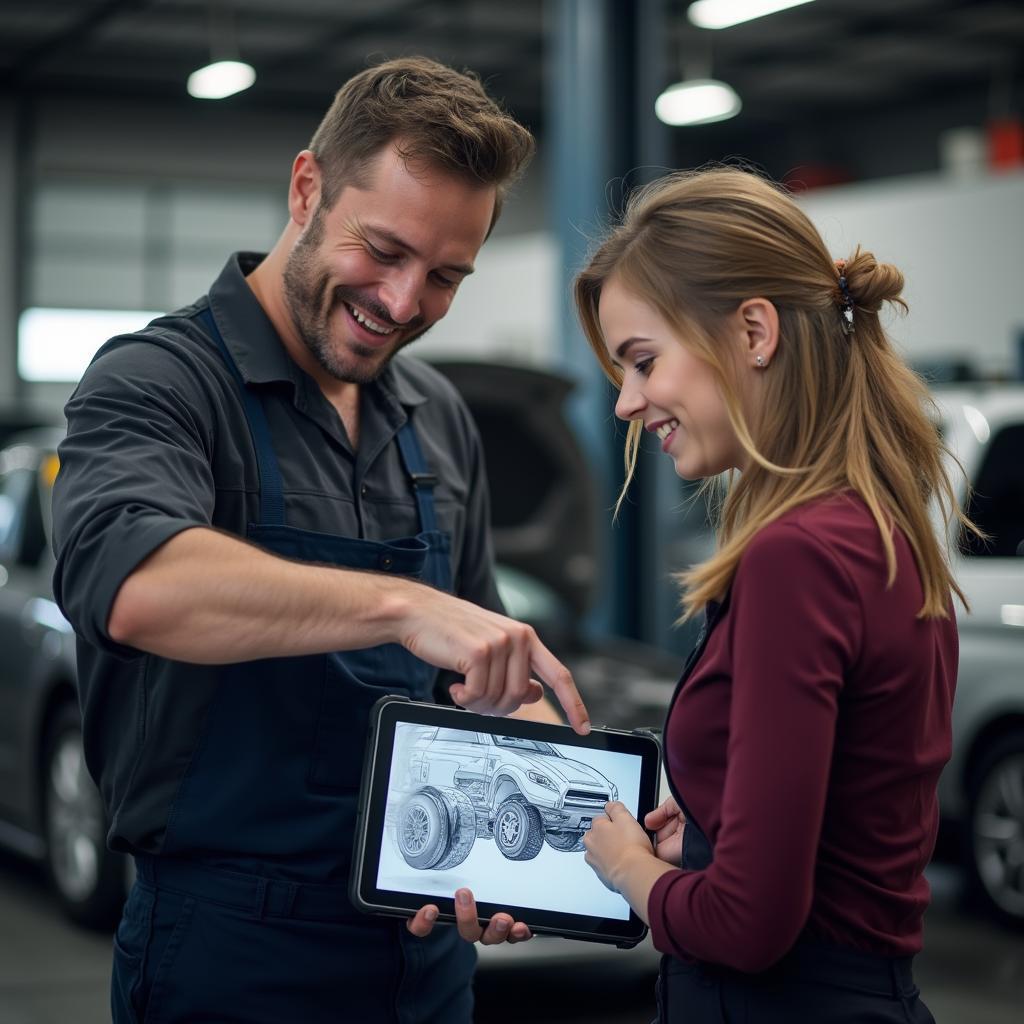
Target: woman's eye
<point>643,366</point>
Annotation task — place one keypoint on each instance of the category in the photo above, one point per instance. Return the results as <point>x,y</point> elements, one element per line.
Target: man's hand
<point>667,823</point>
<point>496,655</point>
<point>501,927</point>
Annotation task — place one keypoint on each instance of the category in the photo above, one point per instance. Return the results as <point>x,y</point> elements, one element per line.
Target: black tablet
<point>499,805</point>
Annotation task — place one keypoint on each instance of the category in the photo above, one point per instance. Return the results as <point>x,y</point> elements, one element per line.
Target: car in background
<point>50,808</point>
<point>981,791</point>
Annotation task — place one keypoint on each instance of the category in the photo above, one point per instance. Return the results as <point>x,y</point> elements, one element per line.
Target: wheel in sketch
<point>518,829</point>
<point>436,828</point>
<point>461,827</point>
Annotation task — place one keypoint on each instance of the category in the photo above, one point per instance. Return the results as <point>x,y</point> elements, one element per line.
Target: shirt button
<point>385,561</point>
<point>363,490</point>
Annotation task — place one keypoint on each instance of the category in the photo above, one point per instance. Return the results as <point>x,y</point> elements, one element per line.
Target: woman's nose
<point>630,403</point>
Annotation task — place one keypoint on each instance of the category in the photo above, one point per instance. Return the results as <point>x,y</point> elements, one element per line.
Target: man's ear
<point>304,188</point>
<point>758,320</point>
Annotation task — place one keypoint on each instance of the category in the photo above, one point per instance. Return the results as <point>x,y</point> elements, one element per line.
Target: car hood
<point>570,772</point>
<point>544,505</point>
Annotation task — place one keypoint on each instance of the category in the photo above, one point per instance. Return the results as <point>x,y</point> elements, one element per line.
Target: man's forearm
<point>209,598</point>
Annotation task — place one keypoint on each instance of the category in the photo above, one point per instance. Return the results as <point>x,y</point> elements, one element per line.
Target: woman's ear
<point>758,321</point>
<point>304,188</point>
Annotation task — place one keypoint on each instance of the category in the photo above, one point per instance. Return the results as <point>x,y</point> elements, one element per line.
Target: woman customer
<point>806,736</point>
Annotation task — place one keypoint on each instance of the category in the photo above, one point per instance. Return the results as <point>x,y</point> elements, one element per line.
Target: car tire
<point>461,827</point>
<point>518,829</point>
<point>87,878</point>
<point>423,829</point>
<point>995,828</point>
<point>565,842</point>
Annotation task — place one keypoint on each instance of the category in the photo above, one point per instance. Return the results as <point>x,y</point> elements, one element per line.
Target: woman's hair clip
<point>847,310</point>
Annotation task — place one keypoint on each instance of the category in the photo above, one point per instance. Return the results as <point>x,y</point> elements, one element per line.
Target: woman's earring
<point>760,361</point>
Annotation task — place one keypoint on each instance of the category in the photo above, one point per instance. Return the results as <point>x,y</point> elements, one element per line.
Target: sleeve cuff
<point>89,604</point>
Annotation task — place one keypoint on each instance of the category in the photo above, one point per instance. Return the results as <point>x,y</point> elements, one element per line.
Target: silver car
<point>49,807</point>
<point>981,791</point>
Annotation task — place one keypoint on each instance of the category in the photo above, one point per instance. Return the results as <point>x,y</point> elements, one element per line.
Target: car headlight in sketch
<point>471,785</point>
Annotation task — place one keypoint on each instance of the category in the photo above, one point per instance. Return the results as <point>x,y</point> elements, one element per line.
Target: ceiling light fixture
<point>697,101</point>
<point>225,74</point>
<point>726,13</point>
<point>219,79</point>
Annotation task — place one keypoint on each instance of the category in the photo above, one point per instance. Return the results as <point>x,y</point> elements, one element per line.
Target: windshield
<point>519,743</point>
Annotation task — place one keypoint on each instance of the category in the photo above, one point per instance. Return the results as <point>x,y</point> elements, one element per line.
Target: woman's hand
<point>614,842</point>
<point>501,927</point>
<point>667,823</point>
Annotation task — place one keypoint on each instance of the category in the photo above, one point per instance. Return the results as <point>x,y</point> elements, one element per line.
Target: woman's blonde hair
<point>838,410</point>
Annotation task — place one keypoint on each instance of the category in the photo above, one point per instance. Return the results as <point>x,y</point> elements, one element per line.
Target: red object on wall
<point>1005,143</point>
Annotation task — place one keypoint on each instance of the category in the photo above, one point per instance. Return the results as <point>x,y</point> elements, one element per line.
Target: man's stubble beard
<point>305,286</point>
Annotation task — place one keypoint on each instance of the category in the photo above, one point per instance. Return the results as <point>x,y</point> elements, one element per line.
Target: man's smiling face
<point>382,265</point>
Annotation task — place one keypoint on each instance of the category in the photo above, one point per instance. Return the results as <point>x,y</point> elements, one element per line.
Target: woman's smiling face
<point>672,391</point>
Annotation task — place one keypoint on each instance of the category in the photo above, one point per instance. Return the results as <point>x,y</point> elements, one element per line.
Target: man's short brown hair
<point>436,115</point>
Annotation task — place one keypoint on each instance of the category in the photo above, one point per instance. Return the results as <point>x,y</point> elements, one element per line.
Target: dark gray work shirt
<point>158,442</point>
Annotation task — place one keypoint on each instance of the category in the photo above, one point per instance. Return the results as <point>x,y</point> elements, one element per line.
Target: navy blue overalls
<point>245,915</point>
<point>813,982</point>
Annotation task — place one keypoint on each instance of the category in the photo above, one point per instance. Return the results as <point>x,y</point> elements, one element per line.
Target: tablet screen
<point>451,799</point>
<point>520,808</point>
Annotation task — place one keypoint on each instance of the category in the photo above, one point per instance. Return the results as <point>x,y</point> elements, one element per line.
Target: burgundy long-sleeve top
<point>807,742</point>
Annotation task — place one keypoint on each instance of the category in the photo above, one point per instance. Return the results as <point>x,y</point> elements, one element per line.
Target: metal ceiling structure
<point>813,78</point>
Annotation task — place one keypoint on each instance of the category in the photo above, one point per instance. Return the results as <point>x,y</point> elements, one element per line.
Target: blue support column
<point>606,65</point>
<point>579,145</point>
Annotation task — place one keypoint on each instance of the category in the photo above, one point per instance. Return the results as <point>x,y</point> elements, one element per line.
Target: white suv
<point>982,788</point>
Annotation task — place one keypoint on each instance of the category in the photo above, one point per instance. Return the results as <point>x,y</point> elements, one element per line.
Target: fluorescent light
<point>725,13</point>
<point>1012,614</point>
<point>57,344</point>
<point>220,79</point>
<point>697,101</point>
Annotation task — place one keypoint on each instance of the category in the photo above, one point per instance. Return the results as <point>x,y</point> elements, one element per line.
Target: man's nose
<point>401,294</point>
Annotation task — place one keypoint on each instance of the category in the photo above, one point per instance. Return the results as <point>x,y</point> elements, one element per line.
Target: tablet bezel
<point>385,716</point>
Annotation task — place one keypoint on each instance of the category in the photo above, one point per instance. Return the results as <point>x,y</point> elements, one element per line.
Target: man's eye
<point>445,282</point>
<point>379,255</point>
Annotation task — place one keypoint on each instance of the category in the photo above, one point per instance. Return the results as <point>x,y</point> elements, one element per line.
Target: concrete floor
<point>972,971</point>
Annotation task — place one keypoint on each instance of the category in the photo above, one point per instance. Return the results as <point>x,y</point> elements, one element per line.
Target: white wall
<point>958,244</point>
<point>507,310</point>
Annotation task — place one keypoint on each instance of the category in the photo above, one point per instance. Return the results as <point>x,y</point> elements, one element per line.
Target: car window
<point>22,536</point>
<point>458,736</point>
<point>997,503</point>
<point>538,746</point>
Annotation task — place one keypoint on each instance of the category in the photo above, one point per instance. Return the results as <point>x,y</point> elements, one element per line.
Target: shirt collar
<point>256,346</point>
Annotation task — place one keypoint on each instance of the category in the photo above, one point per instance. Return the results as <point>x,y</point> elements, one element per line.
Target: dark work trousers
<point>814,982</point>
<point>237,949</point>
<point>244,915</point>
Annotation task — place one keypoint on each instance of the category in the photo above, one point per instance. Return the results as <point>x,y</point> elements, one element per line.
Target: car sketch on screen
<point>455,787</point>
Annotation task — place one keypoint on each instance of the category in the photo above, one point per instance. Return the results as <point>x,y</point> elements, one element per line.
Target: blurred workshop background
<point>898,123</point>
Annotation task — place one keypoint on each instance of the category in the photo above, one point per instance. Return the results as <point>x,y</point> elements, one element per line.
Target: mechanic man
<point>264,522</point>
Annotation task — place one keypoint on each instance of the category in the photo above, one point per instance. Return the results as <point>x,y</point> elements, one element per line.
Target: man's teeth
<point>369,324</point>
<point>666,428</point>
